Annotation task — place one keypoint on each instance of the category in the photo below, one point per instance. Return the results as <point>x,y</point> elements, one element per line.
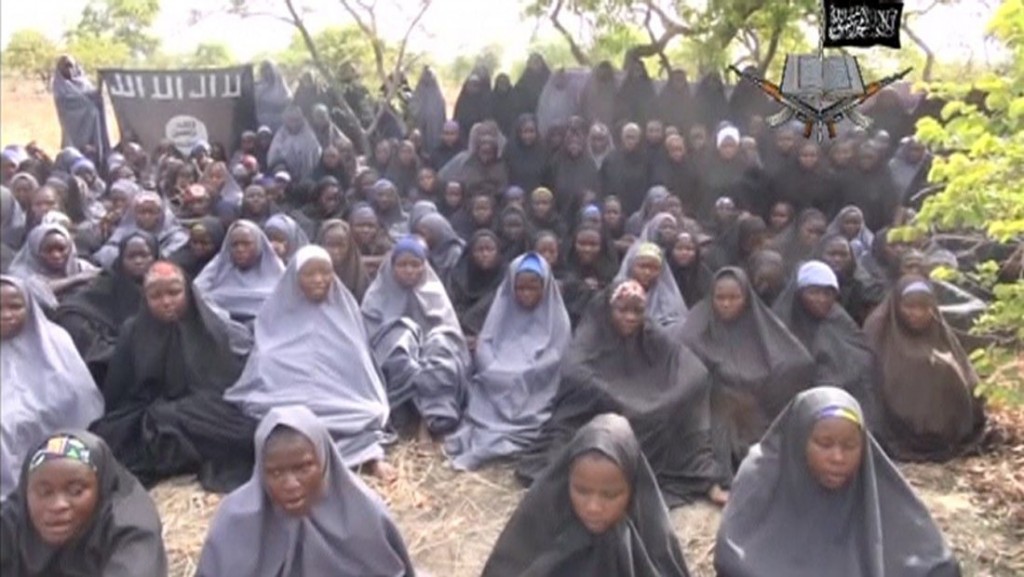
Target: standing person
<point>77,511</point>
<point>526,157</point>
<point>295,146</point>
<point>526,92</point>
<point>307,513</point>
<point>824,491</point>
<point>79,109</point>
<point>474,103</point>
<point>597,507</point>
<point>624,172</point>
<point>517,359</point>
<point>428,109</point>
<point>272,98</point>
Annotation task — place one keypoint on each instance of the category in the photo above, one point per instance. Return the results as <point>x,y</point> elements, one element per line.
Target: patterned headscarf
<point>62,447</point>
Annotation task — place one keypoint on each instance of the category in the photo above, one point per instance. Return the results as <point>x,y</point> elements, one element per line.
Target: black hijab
<point>526,165</point>
<point>527,90</point>
<point>544,538</point>
<point>123,538</point>
<point>634,101</point>
<point>694,279</point>
<point>503,104</point>
<point>599,95</point>
<point>711,103</point>
<point>582,281</point>
<point>675,104</point>
<point>474,107</point>
<point>185,258</point>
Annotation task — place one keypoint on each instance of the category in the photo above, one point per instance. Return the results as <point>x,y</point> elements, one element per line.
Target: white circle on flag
<point>186,132</point>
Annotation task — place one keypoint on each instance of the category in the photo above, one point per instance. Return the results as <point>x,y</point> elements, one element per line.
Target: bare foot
<point>383,471</point>
<point>718,495</point>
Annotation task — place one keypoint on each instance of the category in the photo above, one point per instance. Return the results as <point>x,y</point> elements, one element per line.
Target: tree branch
<point>581,57</point>
<point>773,46</point>
<point>929,55</point>
<point>666,66</point>
<point>394,80</point>
<point>307,39</point>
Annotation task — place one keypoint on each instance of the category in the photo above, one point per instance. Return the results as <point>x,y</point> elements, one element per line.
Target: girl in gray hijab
<point>12,229</point>
<point>818,496</point>
<point>243,274</point>
<point>443,243</point>
<point>272,96</point>
<point>311,349</point>
<point>295,145</point>
<point>49,262</point>
<point>285,235</point>
<point>518,355</point>
<point>46,384</point>
<point>416,339</point>
<point>645,262</point>
<point>302,512</point>
<point>151,214</point>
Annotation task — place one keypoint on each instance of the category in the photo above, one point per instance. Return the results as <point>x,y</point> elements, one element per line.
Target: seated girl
<point>416,339</point>
<point>370,237</point>
<point>858,292</point>
<point>591,265</point>
<point>549,246</point>
<point>243,274</point>
<point>77,511</point>
<point>596,511</point>
<point>172,363</point>
<point>691,273</point>
<point>94,315</point>
<point>285,235</point>
<point>302,512</point>
<point>206,235</point>
<point>443,243</point>
<point>475,280</point>
<point>149,213</point>
<point>49,262</point>
<point>645,263</point>
<point>311,349</point>
<point>336,238</point>
<point>517,357</point>
<point>756,364</point>
<point>849,224</point>
<point>810,309</point>
<point>818,496</point>
<point>619,361</point>
<point>927,393</point>
<point>46,384</point>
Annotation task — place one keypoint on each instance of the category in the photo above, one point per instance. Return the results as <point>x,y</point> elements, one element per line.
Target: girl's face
<point>668,230</point>
<point>785,140</point>
<point>54,251</point>
<point>599,492</point>
<point>255,200</point>
<point>630,139</point>
<point>513,228</point>
<point>453,195</point>
<point>529,289</point>
<point>201,242</point>
<point>330,199</point>
<point>781,216</point>
<point>332,158</point>
<point>673,206</point>
<point>364,229</point>
<point>645,270</point>
<point>22,190</point>
<point>409,270</point>
<point>137,258</point>
<point>382,152</point>
<point>588,246</point>
<point>315,278</point>
<point>676,148</point>
<point>13,311</point>
<point>147,215</point>
<point>218,176</point>
<point>541,205</point>
<point>728,299</point>
<point>547,247</point>
<point>386,199</point>
<point>292,473</point>
<point>728,149</point>
<point>483,210</point>
<point>654,133</point>
<point>841,154</point>
<point>612,214</point>
<point>812,230</point>
<point>851,224</point>
<point>62,498</point>
<point>818,301</point>
<point>336,243</point>
<point>809,155</point>
<point>44,200</point>
<point>838,256</point>
<point>528,133</point>
<point>485,253</point>
<point>407,154</point>
<point>698,137</point>
<point>726,212</point>
<point>166,299</point>
<point>244,248</point>
<point>916,311</point>
<point>684,252</point>
<point>427,180</point>
<point>599,141</point>
<point>183,180</point>
<point>279,240</point>
<point>835,449</point>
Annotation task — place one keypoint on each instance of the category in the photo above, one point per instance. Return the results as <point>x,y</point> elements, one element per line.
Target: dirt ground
<point>451,520</point>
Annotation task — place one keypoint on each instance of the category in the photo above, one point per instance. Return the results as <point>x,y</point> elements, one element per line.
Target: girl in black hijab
<point>591,264</point>
<point>163,391</point>
<point>110,524</point>
<point>475,102</point>
<point>573,173</point>
<point>634,101</point>
<point>503,103</point>
<point>94,315</point>
<point>526,157</point>
<point>476,214</point>
<point>624,172</point>
<point>675,103</point>
<point>599,95</point>
<point>693,277</point>
<point>858,293</point>
<point>527,90</point>
<point>711,102</point>
<point>559,529</point>
<point>873,192</point>
<point>797,244</point>
<point>514,231</point>
<point>806,183</point>
<point>206,235</point>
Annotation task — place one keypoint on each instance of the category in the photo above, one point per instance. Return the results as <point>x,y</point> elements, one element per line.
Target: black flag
<point>862,23</point>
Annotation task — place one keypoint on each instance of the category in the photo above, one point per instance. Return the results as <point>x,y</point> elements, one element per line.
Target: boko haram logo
<point>862,23</point>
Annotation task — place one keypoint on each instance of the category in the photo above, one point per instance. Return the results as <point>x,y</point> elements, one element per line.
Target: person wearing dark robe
<point>79,108</point>
<point>327,133</point>
<point>403,167</point>
<point>554,532</point>
<point>646,263</point>
<point>543,215</point>
<point>873,190</point>
<point>597,104</point>
<point>428,109</point>
<point>624,172</point>
<point>163,390</point>
<point>781,150</point>
<point>272,96</point>
<point>333,165</point>
<point>93,316</point>
<point>768,274</point>
<point>809,307</point>
<point>591,265</point>
<point>112,524</point>
<point>635,98</point>
<point>737,243</point>
<point>444,245</point>
<point>675,170</point>
<point>339,526</point>
<point>336,238</point>
<point>654,203</point>
<point>474,104</point>
<point>748,100</point>
<point>285,235</point>
<point>450,145</point>
<point>205,238</point>
<point>149,213</point>
<point>482,164</point>
<point>686,261</point>
<point>475,280</point>
<point>927,395</point>
<point>726,173</point>
<point>756,364</point>
<point>526,92</point>
<point>675,105</point>
<point>859,294</point>
<point>797,243</point>
<point>417,340</point>
<point>517,357</point>
<point>806,182</point>
<point>798,508</point>
<point>513,228</point>
<point>889,114</point>
<point>295,145</point>
<point>572,174</point>
<point>909,168</point>
<point>710,100</point>
<point>526,157</point>
<point>387,204</point>
<point>620,362</point>
<point>256,205</point>
<point>503,103</point>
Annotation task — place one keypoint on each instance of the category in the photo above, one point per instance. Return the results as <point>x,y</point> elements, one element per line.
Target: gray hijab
<point>13,218</point>
<point>299,151</point>
<point>665,304</point>
<point>448,245</point>
<point>348,531</point>
<point>234,290</point>
<point>780,521</point>
<point>28,264</point>
<point>518,357</point>
<point>297,237</point>
<point>44,385</point>
<point>272,96</point>
<point>171,235</point>
<point>316,354</point>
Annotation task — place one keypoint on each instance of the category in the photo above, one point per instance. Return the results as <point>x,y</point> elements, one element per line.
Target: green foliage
<point>30,54</point>
<point>211,55</point>
<point>981,167</point>
<point>94,52</point>
<point>455,73</point>
<point>337,46</point>
<point>121,25</point>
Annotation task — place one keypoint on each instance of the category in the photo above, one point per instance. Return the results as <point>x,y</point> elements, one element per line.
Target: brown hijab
<point>351,270</point>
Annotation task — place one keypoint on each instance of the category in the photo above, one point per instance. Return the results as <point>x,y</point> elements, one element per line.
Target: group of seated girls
<point>816,492</point>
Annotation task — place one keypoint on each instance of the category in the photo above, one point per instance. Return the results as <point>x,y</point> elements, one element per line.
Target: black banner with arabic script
<point>185,106</point>
<point>862,23</point>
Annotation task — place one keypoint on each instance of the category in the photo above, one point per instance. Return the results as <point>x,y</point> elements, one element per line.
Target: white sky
<point>451,27</point>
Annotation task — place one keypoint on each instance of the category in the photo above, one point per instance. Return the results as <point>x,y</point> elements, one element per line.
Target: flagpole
<point>821,33</point>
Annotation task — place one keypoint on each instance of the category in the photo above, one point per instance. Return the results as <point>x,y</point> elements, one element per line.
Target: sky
<point>450,28</point>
